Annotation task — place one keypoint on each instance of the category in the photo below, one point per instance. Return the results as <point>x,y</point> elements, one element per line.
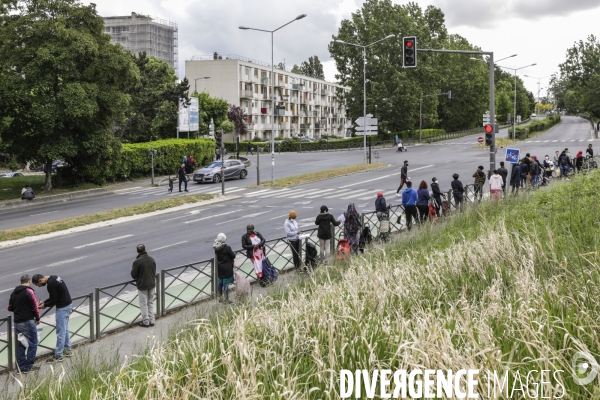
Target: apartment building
<point>138,33</point>
<point>304,106</point>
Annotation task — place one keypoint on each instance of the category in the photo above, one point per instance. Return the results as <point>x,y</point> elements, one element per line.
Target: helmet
<point>379,194</point>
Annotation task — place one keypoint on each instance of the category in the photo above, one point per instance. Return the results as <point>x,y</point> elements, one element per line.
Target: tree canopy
<point>313,68</point>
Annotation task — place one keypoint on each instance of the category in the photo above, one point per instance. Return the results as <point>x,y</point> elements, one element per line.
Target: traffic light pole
<point>492,94</point>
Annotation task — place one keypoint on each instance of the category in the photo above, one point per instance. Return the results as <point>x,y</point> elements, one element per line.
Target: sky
<point>538,31</point>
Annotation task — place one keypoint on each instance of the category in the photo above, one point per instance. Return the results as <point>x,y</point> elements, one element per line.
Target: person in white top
<point>495,186</point>
<point>291,232</point>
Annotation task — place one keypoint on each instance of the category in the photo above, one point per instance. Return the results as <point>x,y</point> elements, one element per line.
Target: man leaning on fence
<point>144,273</point>
<point>27,315</point>
<point>60,298</point>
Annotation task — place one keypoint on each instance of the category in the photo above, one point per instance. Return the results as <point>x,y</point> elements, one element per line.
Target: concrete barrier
<point>53,199</point>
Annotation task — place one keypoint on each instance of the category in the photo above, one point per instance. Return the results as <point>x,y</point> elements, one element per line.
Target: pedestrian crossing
<point>141,192</point>
<point>310,194</point>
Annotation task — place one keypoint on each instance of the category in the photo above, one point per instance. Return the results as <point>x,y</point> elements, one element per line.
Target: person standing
<point>503,172</point>
<point>557,162</point>
<point>548,166</point>
<point>496,185</point>
<point>143,271</point>
<point>536,171</point>
<point>524,168</point>
<point>457,192</point>
<point>409,203</point>
<point>292,234</point>
<point>24,305</point>
<point>381,208</point>
<point>403,177</point>
<point>254,244</point>
<point>225,264</point>
<point>437,195</point>
<point>182,177</point>
<point>579,161</point>
<point>423,198</point>
<point>515,178</point>
<point>479,176</point>
<point>249,149</point>
<point>60,298</point>
<point>325,220</point>
<point>352,227</point>
<point>589,152</point>
<point>564,163</point>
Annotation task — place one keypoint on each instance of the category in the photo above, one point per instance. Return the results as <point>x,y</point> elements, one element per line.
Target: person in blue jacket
<point>409,202</point>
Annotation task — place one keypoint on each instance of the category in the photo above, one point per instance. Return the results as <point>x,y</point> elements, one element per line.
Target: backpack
<point>563,159</point>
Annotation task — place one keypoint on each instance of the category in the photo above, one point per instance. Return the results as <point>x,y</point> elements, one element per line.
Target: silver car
<point>212,173</point>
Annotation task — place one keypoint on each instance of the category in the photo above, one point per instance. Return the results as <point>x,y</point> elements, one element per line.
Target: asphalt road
<point>103,256</point>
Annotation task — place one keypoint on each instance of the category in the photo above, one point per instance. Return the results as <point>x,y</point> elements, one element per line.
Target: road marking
<point>171,245</point>
<point>210,216</point>
<point>124,190</point>
<point>235,189</point>
<point>312,196</point>
<point>242,217</point>
<point>49,212</point>
<point>141,197</point>
<point>581,140</point>
<point>370,180</point>
<point>257,193</point>
<point>554,141</point>
<point>184,216</point>
<point>427,166</point>
<point>102,241</point>
<point>56,264</point>
<point>572,140</point>
<point>339,192</point>
<point>284,215</point>
<point>5,290</point>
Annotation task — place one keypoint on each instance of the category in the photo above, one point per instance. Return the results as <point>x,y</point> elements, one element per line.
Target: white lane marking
<point>338,193</point>
<point>210,216</point>
<point>294,192</point>
<point>284,215</point>
<point>234,189</point>
<point>356,194</point>
<point>184,216</point>
<point>590,140</point>
<point>102,241</point>
<point>581,140</point>
<point>370,180</point>
<point>312,196</point>
<point>572,140</point>
<point>258,192</point>
<point>5,290</point>
<point>171,245</point>
<point>141,197</point>
<point>124,190</point>
<point>66,261</point>
<point>554,141</point>
<point>49,212</point>
<point>242,217</point>
<point>427,166</point>
<point>546,141</point>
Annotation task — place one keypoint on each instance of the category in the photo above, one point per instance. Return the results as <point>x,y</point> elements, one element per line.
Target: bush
<point>523,132</point>
<point>136,162</point>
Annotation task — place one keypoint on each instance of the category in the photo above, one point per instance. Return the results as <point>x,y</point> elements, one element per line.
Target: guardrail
<point>115,307</point>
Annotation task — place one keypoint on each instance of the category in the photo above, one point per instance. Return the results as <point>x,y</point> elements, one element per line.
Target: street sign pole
<point>365,99</point>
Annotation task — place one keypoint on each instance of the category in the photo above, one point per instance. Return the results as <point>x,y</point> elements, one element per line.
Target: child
<point>171,180</point>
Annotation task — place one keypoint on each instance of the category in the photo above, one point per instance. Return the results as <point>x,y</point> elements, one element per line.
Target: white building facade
<point>305,106</point>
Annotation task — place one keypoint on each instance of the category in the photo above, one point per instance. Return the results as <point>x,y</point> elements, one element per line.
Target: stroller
<point>384,228</point>
<point>311,255</point>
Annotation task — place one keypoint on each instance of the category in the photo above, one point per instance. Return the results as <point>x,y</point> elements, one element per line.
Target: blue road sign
<point>512,156</point>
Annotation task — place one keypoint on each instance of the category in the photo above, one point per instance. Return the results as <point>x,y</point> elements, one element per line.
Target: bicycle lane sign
<point>512,156</point>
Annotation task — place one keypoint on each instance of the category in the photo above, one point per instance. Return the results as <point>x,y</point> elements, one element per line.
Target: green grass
<point>511,286</point>
<point>10,188</point>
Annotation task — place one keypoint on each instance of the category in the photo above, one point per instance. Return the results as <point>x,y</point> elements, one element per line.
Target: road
<point>103,256</point>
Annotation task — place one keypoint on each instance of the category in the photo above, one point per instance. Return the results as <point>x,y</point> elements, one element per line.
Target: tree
<point>313,67</point>
<point>63,85</point>
<point>210,107</point>
<point>238,117</point>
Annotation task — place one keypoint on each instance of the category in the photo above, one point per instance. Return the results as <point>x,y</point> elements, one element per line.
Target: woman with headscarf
<point>352,227</point>
<point>254,244</point>
<point>225,263</point>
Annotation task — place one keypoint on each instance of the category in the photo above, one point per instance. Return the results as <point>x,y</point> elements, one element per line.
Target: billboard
<point>188,116</point>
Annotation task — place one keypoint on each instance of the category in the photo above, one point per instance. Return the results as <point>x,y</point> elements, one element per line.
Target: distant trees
<point>313,68</point>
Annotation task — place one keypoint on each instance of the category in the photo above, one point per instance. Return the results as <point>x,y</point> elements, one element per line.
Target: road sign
<point>366,128</point>
<point>480,139</point>
<point>512,156</point>
<point>370,121</point>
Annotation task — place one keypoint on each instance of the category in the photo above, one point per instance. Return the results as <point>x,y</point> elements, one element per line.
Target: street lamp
<point>539,79</point>
<point>273,91</point>
<point>196,91</point>
<point>479,59</point>
<point>364,83</point>
<point>515,99</point>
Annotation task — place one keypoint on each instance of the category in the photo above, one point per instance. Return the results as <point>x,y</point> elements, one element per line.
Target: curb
<point>56,198</point>
<point>32,239</point>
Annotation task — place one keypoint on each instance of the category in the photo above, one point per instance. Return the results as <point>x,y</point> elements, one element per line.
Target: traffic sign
<point>370,121</point>
<point>480,139</point>
<point>368,133</point>
<point>512,156</point>
<point>366,128</point>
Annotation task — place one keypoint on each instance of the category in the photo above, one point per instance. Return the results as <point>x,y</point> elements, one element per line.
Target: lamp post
<point>273,90</point>
<point>539,79</point>
<point>515,98</point>
<point>364,47</point>
<point>196,92</point>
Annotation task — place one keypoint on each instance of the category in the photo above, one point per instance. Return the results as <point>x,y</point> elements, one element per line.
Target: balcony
<point>304,126</point>
<point>247,94</point>
<point>249,127</point>
<point>279,112</point>
<point>318,125</point>
<point>280,83</point>
<point>255,79</point>
<point>265,81</point>
<point>293,99</point>
<point>323,91</point>
<point>297,86</point>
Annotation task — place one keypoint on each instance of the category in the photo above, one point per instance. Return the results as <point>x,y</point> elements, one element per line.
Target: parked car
<point>212,172</point>
<point>11,175</point>
<point>304,140</point>
<point>533,115</point>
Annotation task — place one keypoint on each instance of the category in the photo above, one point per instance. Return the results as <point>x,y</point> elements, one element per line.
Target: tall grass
<point>510,287</point>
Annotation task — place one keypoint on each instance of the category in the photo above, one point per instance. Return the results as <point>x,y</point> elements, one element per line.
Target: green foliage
<point>63,85</point>
<point>313,67</point>
<point>211,107</point>
<point>135,160</point>
<point>523,132</point>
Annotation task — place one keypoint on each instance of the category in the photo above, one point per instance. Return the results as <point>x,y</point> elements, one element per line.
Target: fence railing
<point>115,307</point>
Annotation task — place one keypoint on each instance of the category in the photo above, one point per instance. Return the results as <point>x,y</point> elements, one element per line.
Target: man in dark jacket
<point>225,263</point>
<point>503,172</point>
<point>565,164</point>
<point>61,299</point>
<point>437,195</point>
<point>515,177</point>
<point>457,192</point>
<point>144,273</point>
<point>182,177</point>
<point>325,221</point>
<point>27,315</point>
<point>403,177</point>
<point>380,206</point>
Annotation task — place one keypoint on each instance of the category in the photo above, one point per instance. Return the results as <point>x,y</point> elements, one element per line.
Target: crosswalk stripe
<point>355,194</point>
<point>286,193</point>
<point>300,193</point>
<point>318,195</point>
<point>259,193</point>
<point>338,193</point>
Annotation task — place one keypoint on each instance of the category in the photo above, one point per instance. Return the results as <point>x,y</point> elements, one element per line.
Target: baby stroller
<point>310,256</point>
<point>384,228</point>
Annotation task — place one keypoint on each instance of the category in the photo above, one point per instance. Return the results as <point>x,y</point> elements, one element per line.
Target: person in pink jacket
<point>495,186</point>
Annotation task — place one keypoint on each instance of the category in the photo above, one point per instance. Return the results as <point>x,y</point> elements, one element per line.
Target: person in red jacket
<point>27,315</point>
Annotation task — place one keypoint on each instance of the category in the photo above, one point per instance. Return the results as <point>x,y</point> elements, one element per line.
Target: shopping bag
<point>243,289</point>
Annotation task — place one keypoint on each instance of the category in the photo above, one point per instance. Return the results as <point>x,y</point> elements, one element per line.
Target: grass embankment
<point>54,226</point>
<point>321,175</point>
<point>10,188</point>
<point>502,287</point>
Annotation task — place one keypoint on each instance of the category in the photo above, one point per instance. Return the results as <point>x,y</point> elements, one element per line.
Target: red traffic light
<point>489,129</point>
<point>218,134</point>
<point>409,43</point>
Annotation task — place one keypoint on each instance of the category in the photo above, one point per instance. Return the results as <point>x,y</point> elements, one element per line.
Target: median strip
<point>322,175</point>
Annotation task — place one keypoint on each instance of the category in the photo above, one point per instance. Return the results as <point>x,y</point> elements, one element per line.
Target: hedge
<point>523,132</point>
<point>136,162</point>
